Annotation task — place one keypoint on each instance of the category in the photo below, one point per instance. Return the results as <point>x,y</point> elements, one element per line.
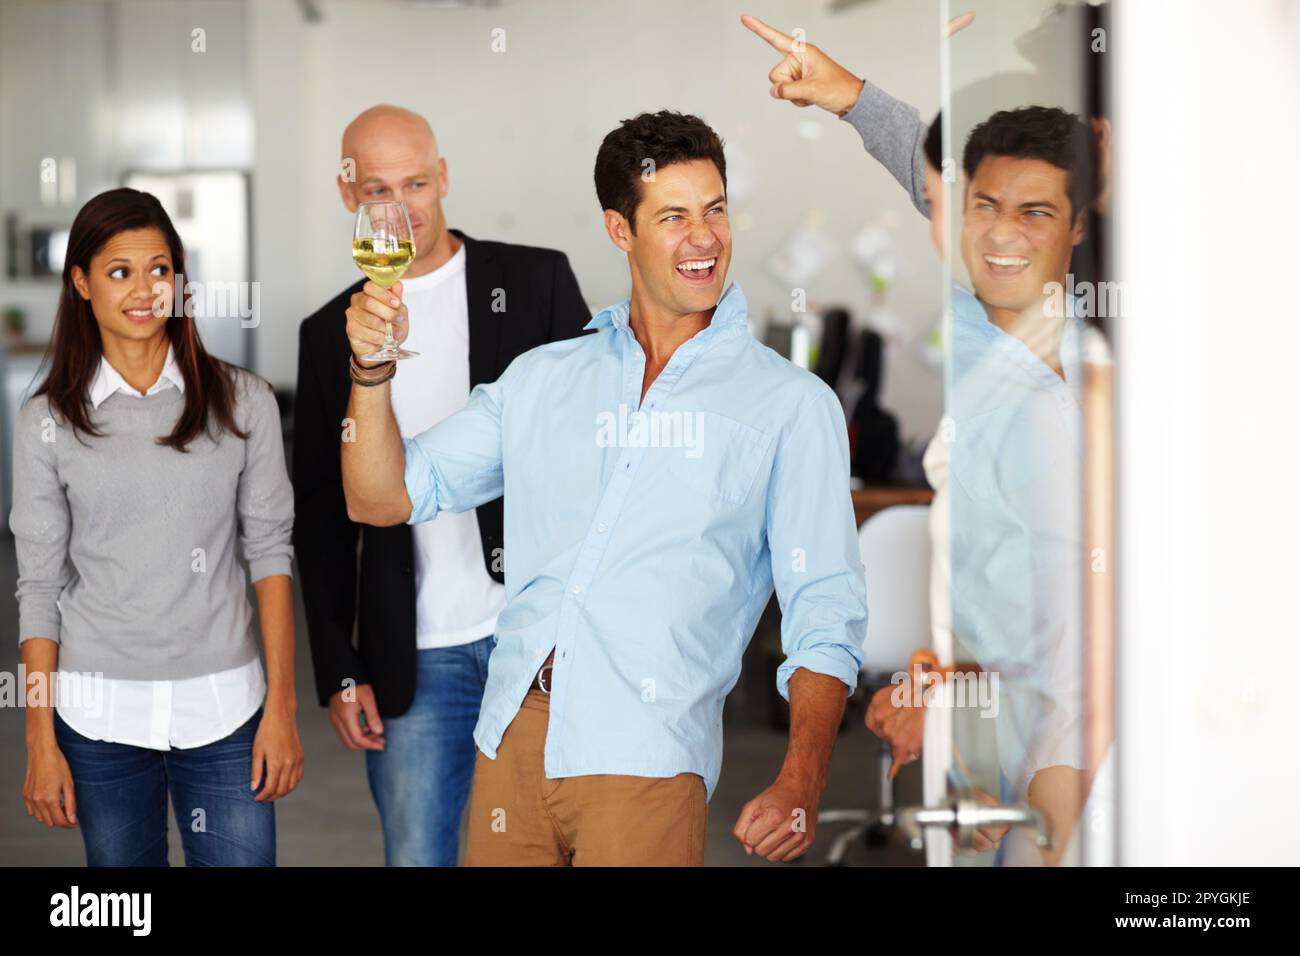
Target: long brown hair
<point>76,348</point>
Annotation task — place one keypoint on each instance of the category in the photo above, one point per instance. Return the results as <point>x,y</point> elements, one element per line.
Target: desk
<point>867,501</point>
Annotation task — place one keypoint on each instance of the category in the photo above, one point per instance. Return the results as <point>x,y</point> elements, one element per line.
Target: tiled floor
<point>331,820</point>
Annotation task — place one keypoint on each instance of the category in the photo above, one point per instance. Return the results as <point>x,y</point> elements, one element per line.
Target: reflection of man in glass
<point>1009,465</point>
<point>1014,468</point>
<point>1013,448</point>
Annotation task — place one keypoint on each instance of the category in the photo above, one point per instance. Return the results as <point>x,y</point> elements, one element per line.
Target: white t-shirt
<point>456,601</point>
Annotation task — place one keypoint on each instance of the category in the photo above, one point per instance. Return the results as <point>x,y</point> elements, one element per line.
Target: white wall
<point>520,130</point>
<point>47,56</point>
<point>1206,135</point>
<point>117,87</point>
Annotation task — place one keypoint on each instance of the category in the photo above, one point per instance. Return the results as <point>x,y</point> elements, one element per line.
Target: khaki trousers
<point>517,817</point>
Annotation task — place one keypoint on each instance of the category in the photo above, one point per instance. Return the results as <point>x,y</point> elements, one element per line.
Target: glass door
<point>1017,744</point>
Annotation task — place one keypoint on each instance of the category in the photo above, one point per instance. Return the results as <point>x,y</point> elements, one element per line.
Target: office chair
<point>834,347</point>
<point>876,442</point>
<point>895,547</point>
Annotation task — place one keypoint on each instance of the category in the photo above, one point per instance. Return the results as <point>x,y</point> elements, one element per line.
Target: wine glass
<point>383,246</point>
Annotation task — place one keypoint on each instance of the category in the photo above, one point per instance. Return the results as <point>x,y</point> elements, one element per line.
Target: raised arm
<point>453,466</point>
<point>373,461</point>
<point>894,135</point>
<point>891,130</point>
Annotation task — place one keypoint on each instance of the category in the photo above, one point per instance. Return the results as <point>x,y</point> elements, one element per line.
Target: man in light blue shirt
<point>661,476</point>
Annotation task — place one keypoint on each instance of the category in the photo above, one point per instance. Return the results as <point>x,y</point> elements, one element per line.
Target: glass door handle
<point>962,817</point>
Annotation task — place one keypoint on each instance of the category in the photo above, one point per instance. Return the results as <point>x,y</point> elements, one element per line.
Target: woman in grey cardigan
<point>144,470</point>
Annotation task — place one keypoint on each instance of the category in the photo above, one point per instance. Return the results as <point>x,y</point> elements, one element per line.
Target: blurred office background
<point>231,111</point>
<point>109,89</point>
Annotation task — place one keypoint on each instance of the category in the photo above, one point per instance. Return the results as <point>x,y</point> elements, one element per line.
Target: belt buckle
<point>541,683</point>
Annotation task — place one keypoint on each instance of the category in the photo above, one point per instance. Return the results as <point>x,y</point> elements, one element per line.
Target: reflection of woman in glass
<point>144,470</point>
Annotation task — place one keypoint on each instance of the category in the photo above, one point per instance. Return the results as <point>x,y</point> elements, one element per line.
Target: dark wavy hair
<point>75,350</point>
<point>1040,132</point>
<point>665,138</point>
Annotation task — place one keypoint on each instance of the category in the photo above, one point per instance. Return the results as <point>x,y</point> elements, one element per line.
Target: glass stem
<point>388,336</point>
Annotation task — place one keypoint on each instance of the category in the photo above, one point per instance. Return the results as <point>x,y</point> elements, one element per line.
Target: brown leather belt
<point>542,680</point>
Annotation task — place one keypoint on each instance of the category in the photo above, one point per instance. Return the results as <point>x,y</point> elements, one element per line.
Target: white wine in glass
<point>383,247</point>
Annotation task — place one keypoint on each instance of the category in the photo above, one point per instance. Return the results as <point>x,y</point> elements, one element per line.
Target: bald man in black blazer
<point>407,691</point>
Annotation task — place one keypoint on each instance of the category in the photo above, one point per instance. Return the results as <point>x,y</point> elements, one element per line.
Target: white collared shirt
<point>157,714</point>
<point>456,600</point>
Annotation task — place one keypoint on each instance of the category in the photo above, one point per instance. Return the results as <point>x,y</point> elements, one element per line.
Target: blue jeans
<point>122,793</point>
<point>420,780</point>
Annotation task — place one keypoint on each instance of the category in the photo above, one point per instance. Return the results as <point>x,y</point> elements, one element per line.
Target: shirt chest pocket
<point>718,457</point>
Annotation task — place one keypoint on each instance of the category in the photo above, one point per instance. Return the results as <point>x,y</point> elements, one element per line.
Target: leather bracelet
<point>370,376</point>
<point>371,382</point>
<point>364,376</point>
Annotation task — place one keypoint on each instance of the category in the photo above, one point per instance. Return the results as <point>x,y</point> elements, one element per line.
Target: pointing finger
<point>775,37</point>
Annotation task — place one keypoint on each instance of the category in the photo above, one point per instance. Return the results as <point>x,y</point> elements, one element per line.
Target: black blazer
<point>542,303</point>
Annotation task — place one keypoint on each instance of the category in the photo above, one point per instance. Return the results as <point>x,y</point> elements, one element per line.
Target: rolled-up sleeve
<point>265,499</point>
<point>41,524</point>
<point>456,464</point>
<point>816,564</point>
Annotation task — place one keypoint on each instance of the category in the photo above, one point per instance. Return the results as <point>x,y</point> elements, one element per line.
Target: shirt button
<point>602,527</point>
<point>576,589</point>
